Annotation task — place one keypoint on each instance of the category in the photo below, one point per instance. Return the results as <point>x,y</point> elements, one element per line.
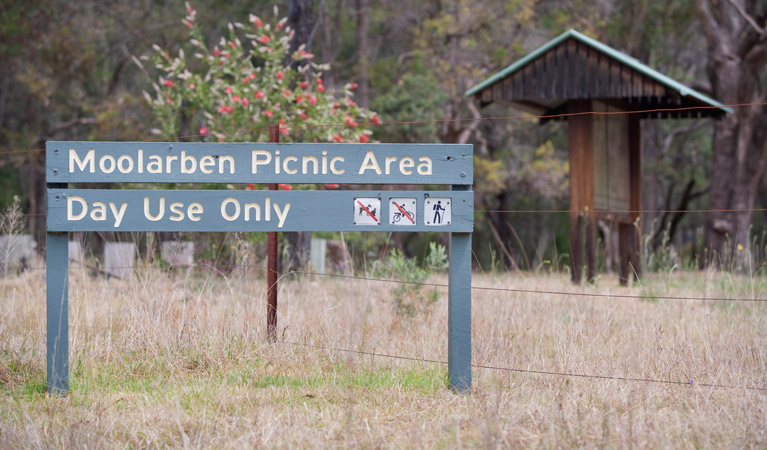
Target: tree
<point>737,52</point>
<point>255,77</point>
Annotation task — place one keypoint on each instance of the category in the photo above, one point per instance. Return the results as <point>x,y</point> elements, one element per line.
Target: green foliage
<point>409,297</point>
<point>247,82</point>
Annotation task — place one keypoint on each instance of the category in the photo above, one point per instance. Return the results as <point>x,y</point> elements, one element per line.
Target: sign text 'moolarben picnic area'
<point>228,210</point>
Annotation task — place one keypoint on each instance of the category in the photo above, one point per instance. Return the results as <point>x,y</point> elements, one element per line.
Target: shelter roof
<point>574,66</point>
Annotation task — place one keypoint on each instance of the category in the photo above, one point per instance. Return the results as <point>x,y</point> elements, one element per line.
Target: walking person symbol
<point>437,208</point>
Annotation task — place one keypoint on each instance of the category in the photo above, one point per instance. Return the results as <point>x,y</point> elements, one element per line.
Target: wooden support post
<point>624,267</point>
<point>635,201</point>
<point>459,310</point>
<point>581,156</point>
<point>272,271</point>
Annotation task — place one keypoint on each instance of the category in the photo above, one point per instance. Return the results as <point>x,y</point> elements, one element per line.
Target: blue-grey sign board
<point>228,211</point>
<point>197,162</point>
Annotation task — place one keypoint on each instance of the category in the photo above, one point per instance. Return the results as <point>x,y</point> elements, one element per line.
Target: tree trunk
<point>737,51</point>
<point>300,19</point>
<point>362,52</point>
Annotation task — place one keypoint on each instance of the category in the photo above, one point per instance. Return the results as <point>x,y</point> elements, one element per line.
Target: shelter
<point>602,93</point>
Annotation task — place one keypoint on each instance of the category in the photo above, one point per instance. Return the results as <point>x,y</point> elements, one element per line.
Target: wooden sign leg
<point>576,248</point>
<point>459,310</point>
<point>57,311</point>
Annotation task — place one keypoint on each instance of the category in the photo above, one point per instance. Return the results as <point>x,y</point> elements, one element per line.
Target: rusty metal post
<point>271,261</point>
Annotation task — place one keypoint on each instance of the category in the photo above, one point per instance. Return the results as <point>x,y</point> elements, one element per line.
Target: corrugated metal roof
<point>633,63</point>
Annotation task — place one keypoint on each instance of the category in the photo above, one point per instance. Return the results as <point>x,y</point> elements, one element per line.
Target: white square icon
<point>367,211</point>
<point>402,211</point>
<point>437,211</point>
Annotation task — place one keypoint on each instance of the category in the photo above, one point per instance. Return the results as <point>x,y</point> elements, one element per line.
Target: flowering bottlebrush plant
<point>233,91</point>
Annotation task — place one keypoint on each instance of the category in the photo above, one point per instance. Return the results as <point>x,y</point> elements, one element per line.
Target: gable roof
<point>690,96</point>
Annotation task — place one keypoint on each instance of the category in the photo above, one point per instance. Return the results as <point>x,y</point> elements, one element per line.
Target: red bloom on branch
<point>285,186</point>
<point>236,98</point>
<point>203,131</point>
<point>232,44</point>
<point>268,113</point>
<point>303,115</point>
<point>280,26</point>
<point>191,86</point>
<point>375,120</point>
<point>303,85</point>
<point>257,22</point>
<point>282,121</point>
<point>168,83</point>
<point>349,121</point>
<point>216,52</point>
<point>284,131</point>
<point>331,186</point>
<point>321,88</point>
<point>354,85</point>
<point>319,81</point>
<point>251,187</point>
<point>279,75</point>
<point>245,102</point>
<point>363,139</point>
<point>299,99</point>
<point>338,138</point>
<point>228,90</point>
<point>188,23</point>
<point>264,39</point>
<point>312,100</point>
<point>259,95</point>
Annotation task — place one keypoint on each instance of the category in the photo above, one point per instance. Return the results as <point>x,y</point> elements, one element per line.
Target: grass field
<point>182,361</point>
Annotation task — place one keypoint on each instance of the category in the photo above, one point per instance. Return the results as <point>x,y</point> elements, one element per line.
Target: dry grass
<point>167,360</point>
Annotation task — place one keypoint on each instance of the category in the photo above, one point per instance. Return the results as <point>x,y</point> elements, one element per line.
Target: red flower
<point>168,83</point>
<point>257,22</point>
<point>321,88</point>
<point>245,102</point>
<point>284,131</point>
<point>363,138</point>
<point>216,52</point>
<point>269,113</point>
<point>303,115</point>
<point>319,81</point>
<point>299,98</point>
<point>188,23</point>
<point>252,76</point>
<point>375,120</point>
<point>303,85</point>
<point>232,44</point>
<point>264,39</point>
<point>285,186</point>
<point>354,85</point>
<point>259,95</point>
<point>203,131</point>
<point>338,138</point>
<point>282,121</point>
<point>336,104</point>
<point>251,187</point>
<point>226,109</point>
<point>228,90</point>
<point>331,186</point>
<point>312,100</point>
<point>349,121</point>
<point>190,10</point>
<point>280,26</point>
<point>279,75</point>
<point>191,86</point>
<point>236,98</point>
<point>350,102</point>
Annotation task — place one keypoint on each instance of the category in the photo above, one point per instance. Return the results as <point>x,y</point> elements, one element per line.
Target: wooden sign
<point>240,210</point>
<point>228,211</point>
<point>182,162</point>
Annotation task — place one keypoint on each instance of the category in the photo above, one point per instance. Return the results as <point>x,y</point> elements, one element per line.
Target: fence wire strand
<point>535,372</point>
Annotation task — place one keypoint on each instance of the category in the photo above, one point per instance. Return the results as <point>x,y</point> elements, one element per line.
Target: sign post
<point>269,211</point>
